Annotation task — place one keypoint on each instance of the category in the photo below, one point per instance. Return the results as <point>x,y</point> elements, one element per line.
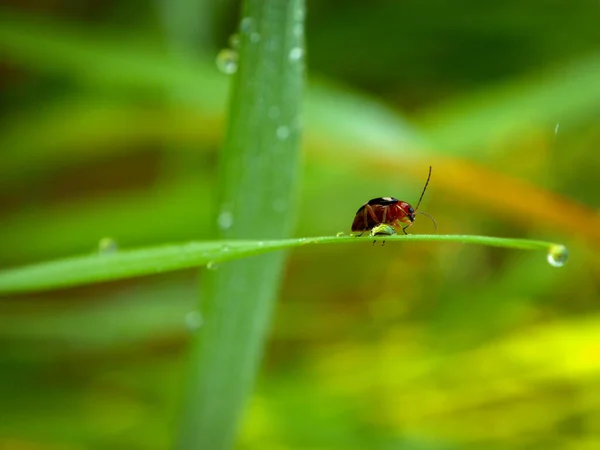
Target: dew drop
<point>558,255</point>
<point>234,41</point>
<point>298,30</point>
<point>225,220</point>
<point>340,234</point>
<point>107,246</point>
<point>282,132</point>
<point>246,25</point>
<point>556,128</point>
<point>299,14</point>
<point>211,265</point>
<point>296,54</point>
<point>193,321</point>
<point>227,61</point>
<point>225,248</point>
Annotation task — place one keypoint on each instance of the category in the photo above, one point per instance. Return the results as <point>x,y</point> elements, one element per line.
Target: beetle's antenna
<point>432,219</point>
<point>424,189</point>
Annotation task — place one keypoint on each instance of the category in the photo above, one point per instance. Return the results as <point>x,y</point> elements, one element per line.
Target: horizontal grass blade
<point>147,261</point>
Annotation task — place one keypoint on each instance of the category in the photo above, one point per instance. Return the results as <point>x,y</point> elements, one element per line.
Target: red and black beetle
<point>388,210</point>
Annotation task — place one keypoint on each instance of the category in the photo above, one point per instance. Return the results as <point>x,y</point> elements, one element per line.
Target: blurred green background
<point>111,121</point>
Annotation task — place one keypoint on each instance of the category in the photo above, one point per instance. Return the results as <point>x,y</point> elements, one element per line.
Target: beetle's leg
<point>368,211</point>
<point>365,212</point>
<point>372,214</point>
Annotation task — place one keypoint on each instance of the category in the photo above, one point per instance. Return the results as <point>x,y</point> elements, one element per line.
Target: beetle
<point>388,211</point>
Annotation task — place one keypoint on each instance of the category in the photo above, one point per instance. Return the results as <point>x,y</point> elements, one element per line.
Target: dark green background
<point>111,121</point>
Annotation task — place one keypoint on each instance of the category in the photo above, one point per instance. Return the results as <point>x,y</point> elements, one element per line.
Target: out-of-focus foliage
<point>111,119</point>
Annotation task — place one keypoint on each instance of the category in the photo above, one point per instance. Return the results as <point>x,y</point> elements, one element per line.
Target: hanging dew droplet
<point>558,255</point>
<point>227,61</point>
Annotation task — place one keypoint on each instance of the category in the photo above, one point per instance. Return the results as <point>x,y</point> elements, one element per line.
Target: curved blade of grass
<point>132,263</point>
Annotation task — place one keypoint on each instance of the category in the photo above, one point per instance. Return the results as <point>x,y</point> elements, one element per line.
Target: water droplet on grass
<point>227,61</point>
<point>558,255</point>
<point>283,132</point>
<point>298,30</point>
<point>211,265</point>
<point>340,234</point>
<point>246,25</point>
<point>296,54</point>
<point>225,220</point>
<point>234,41</point>
<point>193,321</point>
<point>107,246</point>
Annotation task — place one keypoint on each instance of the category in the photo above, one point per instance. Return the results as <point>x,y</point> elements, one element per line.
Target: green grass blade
<point>257,188</point>
<point>131,263</point>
